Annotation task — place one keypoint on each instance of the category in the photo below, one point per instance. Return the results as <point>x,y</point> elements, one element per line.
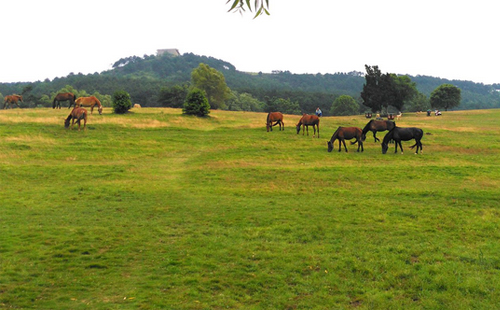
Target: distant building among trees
<point>171,51</point>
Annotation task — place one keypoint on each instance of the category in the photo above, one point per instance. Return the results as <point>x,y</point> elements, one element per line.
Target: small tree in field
<point>344,105</point>
<point>446,96</point>
<point>121,102</point>
<point>196,103</point>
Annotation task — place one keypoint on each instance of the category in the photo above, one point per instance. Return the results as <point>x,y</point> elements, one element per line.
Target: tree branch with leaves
<point>259,6</point>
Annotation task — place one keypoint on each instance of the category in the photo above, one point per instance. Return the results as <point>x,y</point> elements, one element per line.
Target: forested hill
<point>143,77</point>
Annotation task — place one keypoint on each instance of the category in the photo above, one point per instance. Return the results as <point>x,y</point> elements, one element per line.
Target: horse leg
<point>340,144</point>
<point>400,146</point>
<point>375,136</point>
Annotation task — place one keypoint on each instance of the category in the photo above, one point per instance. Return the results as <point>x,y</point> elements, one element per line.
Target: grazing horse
<point>374,126</point>
<point>89,102</point>
<point>306,121</point>
<point>12,99</point>
<point>63,97</point>
<point>274,117</point>
<point>77,114</point>
<point>346,133</point>
<point>399,134</point>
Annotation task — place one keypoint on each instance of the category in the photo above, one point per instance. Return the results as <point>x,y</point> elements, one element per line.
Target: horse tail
<point>54,104</point>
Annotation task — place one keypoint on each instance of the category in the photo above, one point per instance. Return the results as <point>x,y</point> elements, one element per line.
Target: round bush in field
<point>196,103</point>
<point>121,102</point>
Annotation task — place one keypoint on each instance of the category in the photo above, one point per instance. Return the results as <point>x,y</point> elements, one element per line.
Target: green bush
<point>196,103</point>
<point>121,102</point>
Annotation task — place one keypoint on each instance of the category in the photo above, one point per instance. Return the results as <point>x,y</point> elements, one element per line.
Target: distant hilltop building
<point>171,51</point>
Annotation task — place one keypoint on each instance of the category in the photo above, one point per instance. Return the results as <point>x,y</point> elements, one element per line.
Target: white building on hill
<point>171,51</point>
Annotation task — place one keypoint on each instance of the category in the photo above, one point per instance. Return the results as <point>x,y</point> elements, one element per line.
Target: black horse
<point>399,134</point>
<point>375,126</point>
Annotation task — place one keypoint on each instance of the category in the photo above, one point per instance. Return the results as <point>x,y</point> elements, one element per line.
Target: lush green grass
<point>154,210</point>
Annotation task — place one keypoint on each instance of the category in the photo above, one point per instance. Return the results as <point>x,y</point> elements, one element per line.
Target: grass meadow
<point>156,210</point>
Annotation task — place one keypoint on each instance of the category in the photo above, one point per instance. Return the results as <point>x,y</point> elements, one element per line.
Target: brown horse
<point>346,133</point>
<point>89,102</point>
<point>274,117</point>
<point>12,99</point>
<point>374,126</point>
<point>77,114</point>
<point>306,121</point>
<point>63,97</point>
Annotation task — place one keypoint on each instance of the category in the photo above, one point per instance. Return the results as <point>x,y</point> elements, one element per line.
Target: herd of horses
<point>396,134</point>
<point>76,115</point>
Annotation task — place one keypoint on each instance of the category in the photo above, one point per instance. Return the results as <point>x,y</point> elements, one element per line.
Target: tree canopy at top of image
<point>259,6</point>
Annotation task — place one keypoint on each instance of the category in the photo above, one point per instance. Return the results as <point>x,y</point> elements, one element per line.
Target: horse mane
<point>367,126</point>
<point>388,136</point>
<point>68,119</point>
<point>335,134</point>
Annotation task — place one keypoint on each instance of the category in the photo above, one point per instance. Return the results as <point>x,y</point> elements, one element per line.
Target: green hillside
<point>143,78</point>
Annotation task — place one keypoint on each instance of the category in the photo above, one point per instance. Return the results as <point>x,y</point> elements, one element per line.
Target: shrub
<point>121,102</point>
<point>196,103</point>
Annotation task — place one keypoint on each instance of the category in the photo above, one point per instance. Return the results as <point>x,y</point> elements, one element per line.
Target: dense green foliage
<point>446,96</point>
<point>144,77</point>
<point>344,105</point>
<point>196,103</point>
<point>382,91</point>
<point>155,210</point>
<point>121,102</point>
<point>213,83</point>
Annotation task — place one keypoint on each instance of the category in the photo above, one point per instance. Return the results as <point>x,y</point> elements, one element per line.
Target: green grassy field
<point>155,210</point>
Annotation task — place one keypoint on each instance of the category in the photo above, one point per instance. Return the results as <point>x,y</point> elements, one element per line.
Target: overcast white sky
<point>440,38</point>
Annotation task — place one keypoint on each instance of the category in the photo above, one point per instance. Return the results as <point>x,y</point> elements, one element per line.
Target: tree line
<point>164,81</point>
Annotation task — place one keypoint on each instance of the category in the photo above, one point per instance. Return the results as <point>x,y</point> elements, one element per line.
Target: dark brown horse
<point>375,126</point>
<point>306,121</point>
<point>63,97</point>
<point>77,114</point>
<point>276,117</point>
<point>12,99</point>
<point>399,134</point>
<point>346,133</point>
<point>89,102</point>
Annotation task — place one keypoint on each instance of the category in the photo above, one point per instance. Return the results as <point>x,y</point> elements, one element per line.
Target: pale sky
<point>42,39</point>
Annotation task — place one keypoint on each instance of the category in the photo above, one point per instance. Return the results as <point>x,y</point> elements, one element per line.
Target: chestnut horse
<point>274,117</point>
<point>375,125</point>
<point>346,133</point>
<point>89,102</point>
<point>306,121</point>
<point>399,134</point>
<point>63,97</point>
<point>77,114</point>
<point>12,99</point>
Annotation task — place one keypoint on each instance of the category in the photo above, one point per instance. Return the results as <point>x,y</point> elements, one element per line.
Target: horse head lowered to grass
<point>56,103</point>
<point>399,134</point>
<point>306,121</point>
<point>277,118</point>
<point>77,114</point>
<point>346,133</point>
